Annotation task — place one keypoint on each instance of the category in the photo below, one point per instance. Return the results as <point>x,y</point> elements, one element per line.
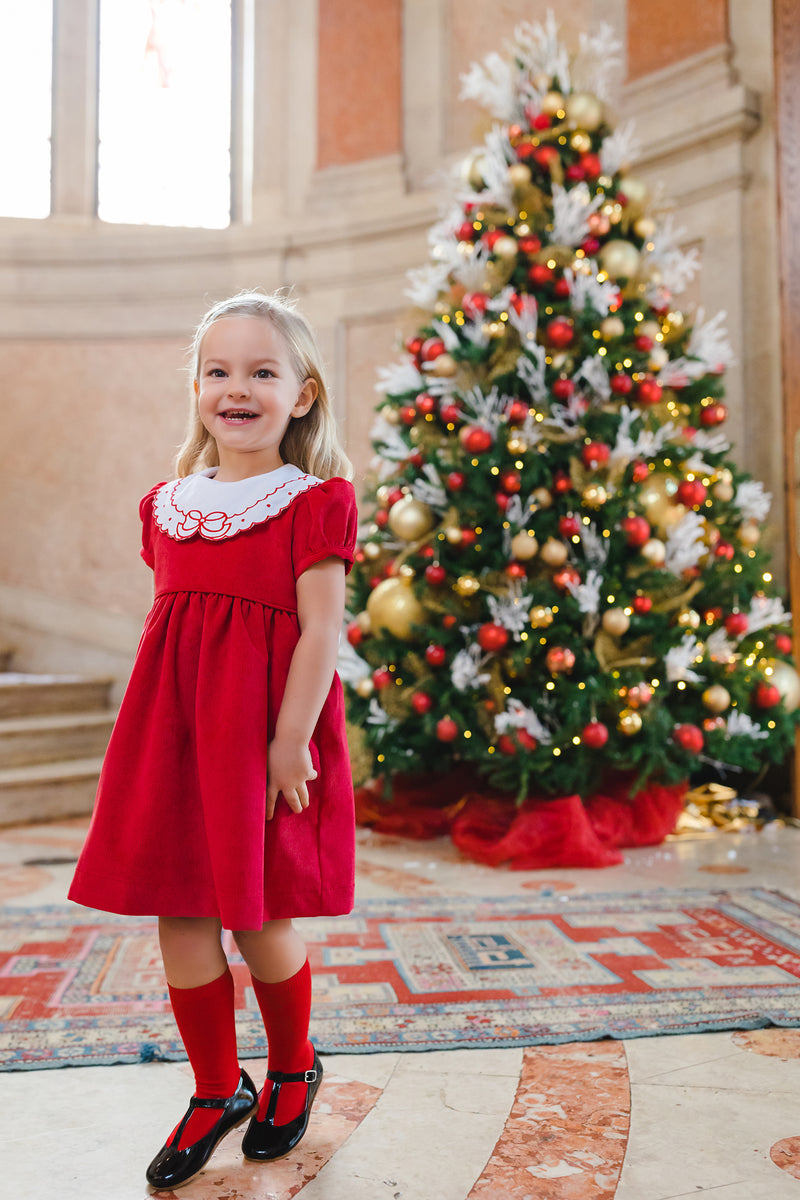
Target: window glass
<point>165,112</point>
<point>26,35</point>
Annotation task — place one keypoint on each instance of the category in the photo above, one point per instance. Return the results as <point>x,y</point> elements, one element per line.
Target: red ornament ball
<point>468,537</point>
<point>559,658</point>
<point>421,702</point>
<point>450,413</point>
<point>506,745</point>
<point>530,244</point>
<point>569,526</point>
<point>783,643</point>
<point>767,695</point>
<point>517,412</point>
<point>544,155</point>
<point>561,288</point>
<point>516,570</point>
<point>649,391</point>
<point>542,121</point>
<point>590,246</point>
<point>621,384</point>
<point>595,454</point>
<point>492,638</point>
<point>636,529</point>
<point>595,735</point>
<point>502,500</point>
<point>559,332</point>
<point>425,404</point>
<point>435,655</point>
<point>474,303</point>
<point>355,634</point>
<point>575,172</point>
<point>449,620</point>
<point>639,471</point>
<point>511,481</point>
<point>689,737</point>
<point>456,480</point>
<point>539,275</point>
<point>562,389</point>
<point>408,414</point>
<point>641,605</point>
<point>737,624</point>
<point>414,345</point>
<point>466,232</point>
<point>446,729</point>
<point>381,678</point>
<point>475,439</point>
<point>565,578</point>
<point>691,492</point>
<point>382,518</point>
<point>713,414</point>
<point>526,740</point>
<point>592,165</point>
<point>561,483</point>
<point>432,348</point>
<point>724,550</point>
<point>435,574</point>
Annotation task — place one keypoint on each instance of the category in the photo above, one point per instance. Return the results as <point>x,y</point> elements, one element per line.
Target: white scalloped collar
<point>198,504</point>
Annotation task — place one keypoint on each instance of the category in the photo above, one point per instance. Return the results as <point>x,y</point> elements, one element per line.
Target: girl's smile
<point>247,393</point>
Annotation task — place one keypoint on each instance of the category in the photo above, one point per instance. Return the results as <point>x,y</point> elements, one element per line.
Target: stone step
<point>24,695</point>
<point>53,737</point>
<point>48,791</point>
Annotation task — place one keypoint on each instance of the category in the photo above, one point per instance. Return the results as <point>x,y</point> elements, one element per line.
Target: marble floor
<point>660,1118</point>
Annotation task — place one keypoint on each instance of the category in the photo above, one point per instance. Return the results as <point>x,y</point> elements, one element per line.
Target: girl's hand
<point>289,768</point>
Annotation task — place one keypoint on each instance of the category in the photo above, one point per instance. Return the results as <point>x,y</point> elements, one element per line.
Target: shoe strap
<point>280,1077</point>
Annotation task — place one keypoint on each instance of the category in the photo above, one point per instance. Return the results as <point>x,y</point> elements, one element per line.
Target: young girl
<point>225,799</point>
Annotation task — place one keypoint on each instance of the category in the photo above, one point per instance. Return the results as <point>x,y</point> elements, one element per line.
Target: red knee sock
<point>286,1009</point>
<point>205,1019</point>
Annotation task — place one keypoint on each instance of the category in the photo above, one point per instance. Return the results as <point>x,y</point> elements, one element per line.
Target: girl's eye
<point>216,372</point>
<point>264,373</point>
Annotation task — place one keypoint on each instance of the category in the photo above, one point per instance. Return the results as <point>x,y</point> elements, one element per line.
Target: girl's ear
<point>305,398</point>
<point>196,388</point>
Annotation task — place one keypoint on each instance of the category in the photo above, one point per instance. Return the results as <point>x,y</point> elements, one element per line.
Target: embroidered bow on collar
<point>198,504</point>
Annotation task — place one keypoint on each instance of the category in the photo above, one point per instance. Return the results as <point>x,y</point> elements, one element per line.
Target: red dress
<point>179,823</point>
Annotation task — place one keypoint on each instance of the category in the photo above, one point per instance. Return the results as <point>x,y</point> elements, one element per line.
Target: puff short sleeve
<point>325,525</point>
<point>146,514</point>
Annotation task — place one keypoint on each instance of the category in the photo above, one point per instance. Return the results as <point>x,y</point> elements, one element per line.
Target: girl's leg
<point>276,956</point>
<point>201,993</point>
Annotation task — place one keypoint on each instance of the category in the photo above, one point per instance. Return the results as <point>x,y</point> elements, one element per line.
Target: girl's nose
<point>238,387</point>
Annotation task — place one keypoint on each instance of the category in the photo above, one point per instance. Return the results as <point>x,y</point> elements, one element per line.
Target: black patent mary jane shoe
<point>264,1140</point>
<point>172,1167</point>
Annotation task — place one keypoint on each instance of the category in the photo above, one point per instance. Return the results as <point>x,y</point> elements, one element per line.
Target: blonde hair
<point>311,442</point>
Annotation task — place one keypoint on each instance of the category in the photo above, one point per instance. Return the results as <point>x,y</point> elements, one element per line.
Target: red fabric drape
<point>563,831</point>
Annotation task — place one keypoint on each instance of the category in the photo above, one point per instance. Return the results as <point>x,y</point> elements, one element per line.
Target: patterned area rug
<point>82,988</point>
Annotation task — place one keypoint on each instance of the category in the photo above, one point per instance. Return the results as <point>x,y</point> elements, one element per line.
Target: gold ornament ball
<point>371,550</point>
<point>612,327</point>
<point>584,110</point>
<point>406,571</point>
<point>725,476</point>
<point>543,497</point>
<point>444,366</point>
<point>654,551</point>
<point>506,248</point>
<point>787,681</point>
<point>365,687</point>
<point>383,493</point>
<point>749,534</point>
<point>453,535</point>
<point>688,618</point>
<point>524,545</point>
<point>716,698</point>
<point>616,621</point>
<point>619,259</point>
<point>466,585</point>
<point>540,617</point>
<point>410,519</point>
<point>519,176</point>
<point>636,193</point>
<point>364,622</point>
<point>644,226</point>
<point>656,496</point>
<point>649,328</point>
<point>594,496</point>
<point>581,142</point>
<point>472,170</point>
<point>390,415</point>
<point>630,722</point>
<point>552,103</point>
<point>658,358</point>
<point>723,491</point>
<point>517,445</point>
<point>393,607</point>
<point>554,553</point>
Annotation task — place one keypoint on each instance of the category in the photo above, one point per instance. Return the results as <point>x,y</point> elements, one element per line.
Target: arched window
<point>164,112</point>
<point>26,35</point>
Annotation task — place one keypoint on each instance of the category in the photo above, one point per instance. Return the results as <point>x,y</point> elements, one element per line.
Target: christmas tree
<point>562,580</point>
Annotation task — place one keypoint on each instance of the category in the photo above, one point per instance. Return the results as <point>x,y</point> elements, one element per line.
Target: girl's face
<point>247,392</point>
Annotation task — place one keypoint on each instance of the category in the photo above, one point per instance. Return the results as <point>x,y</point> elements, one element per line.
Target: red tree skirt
<point>561,832</point>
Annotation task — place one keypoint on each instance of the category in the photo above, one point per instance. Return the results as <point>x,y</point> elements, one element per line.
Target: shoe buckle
<point>310,1076</point>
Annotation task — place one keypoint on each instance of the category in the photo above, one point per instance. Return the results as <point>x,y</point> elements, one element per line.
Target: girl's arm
<point>320,609</point>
